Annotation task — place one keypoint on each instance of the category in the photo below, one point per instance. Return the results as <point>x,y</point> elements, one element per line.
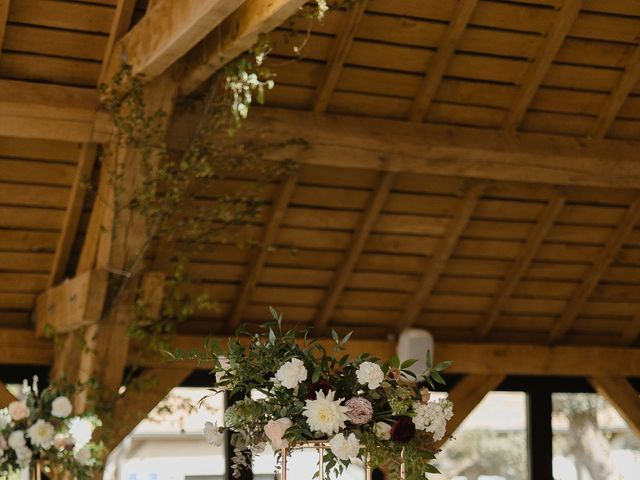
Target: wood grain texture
<point>622,395</point>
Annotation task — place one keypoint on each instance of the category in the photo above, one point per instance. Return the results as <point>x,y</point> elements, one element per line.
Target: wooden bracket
<point>73,304</point>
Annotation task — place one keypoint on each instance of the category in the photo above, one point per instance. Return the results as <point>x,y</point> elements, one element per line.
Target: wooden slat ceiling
<point>511,259</point>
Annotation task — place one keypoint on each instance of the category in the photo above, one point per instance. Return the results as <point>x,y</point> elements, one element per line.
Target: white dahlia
<point>345,448</point>
<point>292,373</point>
<point>324,414</point>
<point>41,434</point>
<point>370,374</point>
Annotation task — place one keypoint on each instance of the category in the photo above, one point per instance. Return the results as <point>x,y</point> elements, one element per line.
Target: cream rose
<point>61,407</point>
<point>274,430</point>
<point>382,430</point>
<point>18,410</point>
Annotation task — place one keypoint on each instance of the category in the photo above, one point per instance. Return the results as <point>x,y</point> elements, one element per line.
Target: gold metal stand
<point>36,471</point>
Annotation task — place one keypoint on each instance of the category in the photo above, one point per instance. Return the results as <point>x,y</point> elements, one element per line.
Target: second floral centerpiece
<point>287,391</point>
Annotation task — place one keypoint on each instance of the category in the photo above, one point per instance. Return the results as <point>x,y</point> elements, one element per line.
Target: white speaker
<point>415,343</point>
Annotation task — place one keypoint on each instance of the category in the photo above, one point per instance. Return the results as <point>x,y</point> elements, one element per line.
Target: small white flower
<point>345,448</point>
<point>212,434</point>
<point>292,373</point>
<point>382,430</point>
<point>18,410</point>
<point>61,407</point>
<point>432,417</point>
<point>24,455</point>
<point>17,440</point>
<point>370,374</point>
<point>324,414</point>
<point>83,456</point>
<point>41,434</point>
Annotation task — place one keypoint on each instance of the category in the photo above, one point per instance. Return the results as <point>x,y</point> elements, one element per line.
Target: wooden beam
<point>540,64</point>
<point>53,112</point>
<point>436,264</point>
<point>440,61</point>
<point>73,304</point>
<point>120,25</point>
<point>466,395</point>
<point>377,144</point>
<point>4,14</point>
<point>72,213</point>
<point>256,265</point>
<point>351,257</point>
<point>628,80</point>
<point>166,33</point>
<point>591,279</point>
<point>339,54</point>
<point>237,34</point>
<point>521,265</point>
<point>630,334</point>
<point>6,397</point>
<point>21,347</point>
<point>623,396</point>
<point>150,388</point>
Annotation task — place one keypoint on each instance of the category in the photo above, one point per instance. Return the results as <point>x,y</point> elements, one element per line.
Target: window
<point>591,441</point>
<point>491,444</point>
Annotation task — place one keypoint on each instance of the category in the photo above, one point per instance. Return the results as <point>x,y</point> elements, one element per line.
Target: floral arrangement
<point>290,390</point>
<point>41,427</point>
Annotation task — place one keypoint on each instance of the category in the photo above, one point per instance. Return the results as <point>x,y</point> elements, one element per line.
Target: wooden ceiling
<point>470,256</point>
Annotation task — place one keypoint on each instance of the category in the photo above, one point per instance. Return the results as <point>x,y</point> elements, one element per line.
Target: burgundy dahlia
<point>403,430</point>
<point>320,386</point>
<point>360,410</point>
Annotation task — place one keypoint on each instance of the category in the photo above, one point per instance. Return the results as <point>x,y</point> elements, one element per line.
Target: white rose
<point>274,430</point>
<point>370,374</point>
<point>382,430</point>
<point>24,456</point>
<point>291,373</point>
<point>345,448</point>
<point>212,434</point>
<point>83,456</point>
<point>61,407</point>
<point>18,410</point>
<point>17,440</point>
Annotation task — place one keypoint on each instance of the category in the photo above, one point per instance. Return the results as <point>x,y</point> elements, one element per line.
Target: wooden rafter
<point>466,395</point>
<point>436,264</point>
<point>540,64</point>
<point>351,257</point>
<point>166,33</point>
<point>239,32</point>
<point>623,396</point>
<point>4,14</point>
<point>260,257</point>
<point>377,144</point>
<point>339,54</point>
<point>518,269</point>
<point>72,213</point>
<point>591,279</point>
<point>121,22</point>
<point>628,80</point>
<point>151,387</point>
<point>440,61</point>
<point>631,333</point>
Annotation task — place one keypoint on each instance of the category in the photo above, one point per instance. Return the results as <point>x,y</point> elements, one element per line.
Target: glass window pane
<point>491,444</point>
<point>591,441</point>
<point>170,445</point>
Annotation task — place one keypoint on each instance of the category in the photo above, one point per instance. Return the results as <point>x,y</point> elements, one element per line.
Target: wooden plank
<point>239,32</point>
<point>73,304</point>
<point>630,334</point>
<point>438,262</point>
<point>21,347</point>
<point>63,15</point>
<point>72,213</point>
<point>521,265</point>
<point>628,80</point>
<point>360,236</point>
<point>340,51</point>
<point>259,259</point>
<point>152,386</point>
<point>539,67</point>
<point>440,61</point>
<point>4,14</point>
<point>119,26</point>
<point>592,278</point>
<point>347,142</point>
<point>622,395</point>
<point>166,33</point>
<point>466,395</point>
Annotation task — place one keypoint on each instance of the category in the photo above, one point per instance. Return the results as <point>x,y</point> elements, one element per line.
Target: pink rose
<point>18,410</point>
<point>275,429</point>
